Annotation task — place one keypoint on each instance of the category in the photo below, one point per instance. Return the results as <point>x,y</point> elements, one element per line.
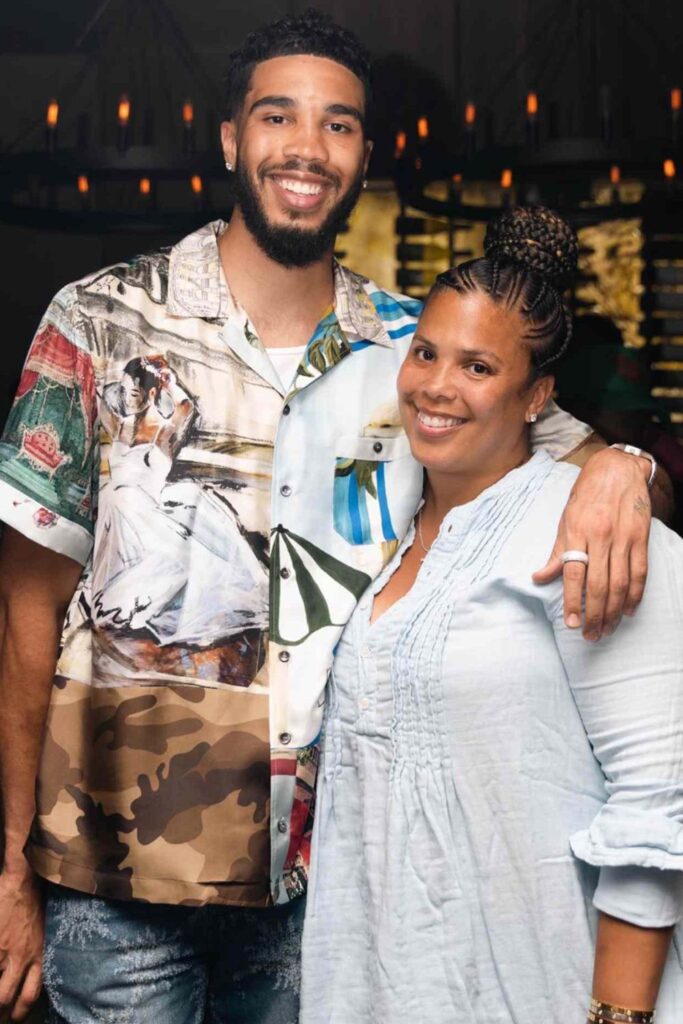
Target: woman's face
<point>132,397</point>
<point>462,388</point>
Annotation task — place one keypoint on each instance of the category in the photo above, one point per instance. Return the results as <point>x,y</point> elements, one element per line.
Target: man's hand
<point>21,942</point>
<point>608,516</point>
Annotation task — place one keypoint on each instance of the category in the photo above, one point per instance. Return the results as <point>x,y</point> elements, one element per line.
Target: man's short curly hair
<point>312,34</point>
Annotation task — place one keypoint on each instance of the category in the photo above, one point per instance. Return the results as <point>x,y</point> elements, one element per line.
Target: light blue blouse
<point>489,778</point>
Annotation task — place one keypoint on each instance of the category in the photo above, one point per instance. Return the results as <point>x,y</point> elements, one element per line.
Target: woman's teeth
<point>301,188</point>
<point>439,421</point>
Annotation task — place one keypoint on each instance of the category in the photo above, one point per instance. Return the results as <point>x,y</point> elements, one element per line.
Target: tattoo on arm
<point>641,505</point>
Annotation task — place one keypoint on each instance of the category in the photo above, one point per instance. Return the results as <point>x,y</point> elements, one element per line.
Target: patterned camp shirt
<point>226,530</point>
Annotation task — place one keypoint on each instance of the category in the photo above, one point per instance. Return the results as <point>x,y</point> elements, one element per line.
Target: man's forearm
<point>28,648</point>
<point>36,586</point>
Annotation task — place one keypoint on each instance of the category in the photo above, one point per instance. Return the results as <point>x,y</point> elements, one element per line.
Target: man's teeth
<point>439,421</point>
<point>301,188</point>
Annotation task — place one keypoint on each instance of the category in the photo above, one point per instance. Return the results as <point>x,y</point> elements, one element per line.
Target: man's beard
<point>290,245</point>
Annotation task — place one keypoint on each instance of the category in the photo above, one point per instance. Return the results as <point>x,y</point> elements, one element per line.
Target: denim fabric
<point>140,963</point>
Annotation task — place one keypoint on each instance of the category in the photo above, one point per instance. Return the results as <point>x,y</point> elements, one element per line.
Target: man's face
<point>300,155</point>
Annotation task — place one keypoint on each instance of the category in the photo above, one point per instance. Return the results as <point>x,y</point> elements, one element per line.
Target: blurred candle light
<point>188,122</point>
<point>422,129</point>
<point>506,179</point>
<point>52,116</point>
<point>532,120</point>
<point>83,184</point>
<point>51,119</point>
<point>675,114</point>
<point>470,125</point>
<point>124,111</point>
<point>196,184</point>
<point>669,169</point>
<point>145,186</point>
<point>123,115</point>
<point>615,174</point>
<point>400,146</point>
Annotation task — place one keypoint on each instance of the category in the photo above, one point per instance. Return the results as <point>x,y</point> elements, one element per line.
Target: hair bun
<point>537,238</point>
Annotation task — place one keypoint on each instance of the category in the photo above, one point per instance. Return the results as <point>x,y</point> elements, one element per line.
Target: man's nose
<point>307,141</point>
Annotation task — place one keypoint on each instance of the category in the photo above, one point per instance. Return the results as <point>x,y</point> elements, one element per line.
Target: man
<point>197,526</point>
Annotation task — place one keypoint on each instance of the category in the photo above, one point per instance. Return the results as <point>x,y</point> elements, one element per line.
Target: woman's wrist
<point>607,1013</point>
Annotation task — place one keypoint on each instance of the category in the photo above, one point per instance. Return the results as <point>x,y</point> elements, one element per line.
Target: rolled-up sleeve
<point>48,450</point>
<point>628,689</point>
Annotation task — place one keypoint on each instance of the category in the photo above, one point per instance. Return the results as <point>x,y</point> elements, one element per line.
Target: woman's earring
<point>532,417</point>
<point>229,166</point>
<point>365,182</point>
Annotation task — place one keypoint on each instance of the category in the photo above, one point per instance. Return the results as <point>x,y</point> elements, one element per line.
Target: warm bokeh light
<point>532,104</point>
<point>124,110</point>
<point>470,113</point>
<point>83,184</point>
<point>400,144</point>
<point>457,179</point>
<point>145,186</point>
<point>676,99</point>
<point>506,178</point>
<point>196,183</point>
<point>188,113</point>
<point>669,169</point>
<point>615,174</point>
<point>52,114</point>
<point>422,128</point>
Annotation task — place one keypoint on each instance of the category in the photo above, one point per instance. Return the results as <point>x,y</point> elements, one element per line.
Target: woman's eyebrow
<point>481,353</point>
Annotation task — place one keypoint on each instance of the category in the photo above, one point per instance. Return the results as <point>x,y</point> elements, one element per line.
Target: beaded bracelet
<point>605,1013</point>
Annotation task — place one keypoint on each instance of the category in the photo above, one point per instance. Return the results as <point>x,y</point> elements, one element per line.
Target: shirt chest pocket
<point>373,486</point>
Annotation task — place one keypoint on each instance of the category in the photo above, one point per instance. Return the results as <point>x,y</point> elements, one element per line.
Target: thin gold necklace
<point>419,534</point>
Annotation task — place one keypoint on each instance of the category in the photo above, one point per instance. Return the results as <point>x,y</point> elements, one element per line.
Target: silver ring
<point>574,556</point>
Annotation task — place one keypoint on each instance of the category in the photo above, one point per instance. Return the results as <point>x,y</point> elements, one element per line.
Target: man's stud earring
<point>229,166</point>
<point>532,417</point>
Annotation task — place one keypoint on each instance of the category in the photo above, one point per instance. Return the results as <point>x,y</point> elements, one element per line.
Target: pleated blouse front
<point>457,769</point>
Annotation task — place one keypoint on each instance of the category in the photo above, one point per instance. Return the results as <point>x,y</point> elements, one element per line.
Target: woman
<point>141,587</point>
<point>498,831</point>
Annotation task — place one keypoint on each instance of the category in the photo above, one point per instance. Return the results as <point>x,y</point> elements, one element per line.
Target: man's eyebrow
<point>285,102</point>
<point>344,110</point>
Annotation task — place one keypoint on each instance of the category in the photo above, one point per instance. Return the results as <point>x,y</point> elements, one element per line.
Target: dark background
<point>432,57</point>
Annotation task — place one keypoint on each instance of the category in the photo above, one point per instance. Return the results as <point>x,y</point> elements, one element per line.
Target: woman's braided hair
<point>530,256</point>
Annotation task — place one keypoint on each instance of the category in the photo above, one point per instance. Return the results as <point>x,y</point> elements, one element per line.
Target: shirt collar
<point>197,287</point>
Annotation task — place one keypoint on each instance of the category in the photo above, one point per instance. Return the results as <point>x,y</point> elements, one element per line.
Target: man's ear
<point>229,142</point>
<point>541,391</point>
<point>368,153</point>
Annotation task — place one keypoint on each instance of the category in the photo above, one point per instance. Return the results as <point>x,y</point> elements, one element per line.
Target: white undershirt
<point>286,361</point>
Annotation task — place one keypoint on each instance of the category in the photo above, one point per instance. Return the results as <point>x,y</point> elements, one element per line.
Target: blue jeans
<point>140,963</point>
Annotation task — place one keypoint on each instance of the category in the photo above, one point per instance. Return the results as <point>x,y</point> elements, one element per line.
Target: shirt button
<point>364,703</point>
<point>285,490</point>
<point>284,573</point>
<point>286,410</point>
<point>282,825</point>
<point>285,738</point>
<point>283,655</point>
<point>377,447</point>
